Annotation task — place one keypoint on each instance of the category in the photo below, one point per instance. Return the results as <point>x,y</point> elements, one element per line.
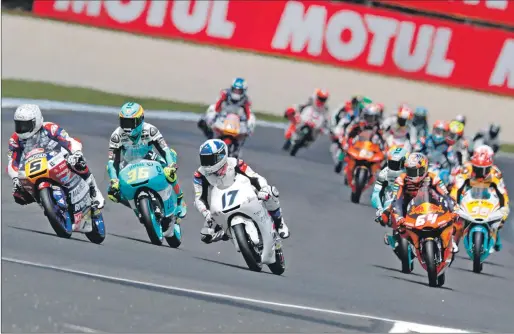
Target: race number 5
<point>34,166</point>
<point>232,194</point>
<point>137,174</point>
<point>423,219</point>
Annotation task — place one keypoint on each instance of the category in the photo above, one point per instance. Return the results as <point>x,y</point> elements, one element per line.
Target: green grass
<point>507,148</point>
<point>49,91</point>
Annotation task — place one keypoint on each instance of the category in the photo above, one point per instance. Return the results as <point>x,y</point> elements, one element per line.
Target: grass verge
<point>49,91</point>
<point>509,148</point>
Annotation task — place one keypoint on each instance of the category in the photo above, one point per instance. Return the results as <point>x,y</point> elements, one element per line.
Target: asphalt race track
<point>336,259</point>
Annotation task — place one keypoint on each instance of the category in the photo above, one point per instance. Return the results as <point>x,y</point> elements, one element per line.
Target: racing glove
<point>170,172</point>
<point>266,192</point>
<point>211,232</point>
<point>505,212</point>
<point>114,190</point>
<point>19,194</point>
<point>75,158</point>
<point>381,218</point>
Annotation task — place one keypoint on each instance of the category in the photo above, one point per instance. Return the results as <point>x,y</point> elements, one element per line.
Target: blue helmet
<point>132,117</point>
<point>238,89</point>
<point>421,112</point>
<point>213,155</point>
<point>396,158</point>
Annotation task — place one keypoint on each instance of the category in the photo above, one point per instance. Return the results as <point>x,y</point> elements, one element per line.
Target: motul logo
<point>503,72</point>
<point>204,15</point>
<point>312,29</point>
<point>491,4</point>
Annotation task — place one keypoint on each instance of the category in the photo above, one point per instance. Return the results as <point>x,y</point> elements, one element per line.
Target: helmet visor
<point>415,172</point>
<point>481,172</point>
<point>395,165</point>
<point>130,123</point>
<point>24,126</point>
<point>209,160</point>
<point>372,119</point>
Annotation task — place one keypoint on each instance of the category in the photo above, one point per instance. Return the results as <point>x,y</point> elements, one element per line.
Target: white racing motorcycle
<point>310,124</point>
<point>249,225</point>
<point>398,141</point>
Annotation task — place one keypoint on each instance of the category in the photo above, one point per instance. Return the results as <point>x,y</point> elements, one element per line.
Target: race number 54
<point>423,219</point>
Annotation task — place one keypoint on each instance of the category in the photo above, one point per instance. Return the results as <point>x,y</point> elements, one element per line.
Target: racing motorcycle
<point>249,225</point>
<point>228,127</point>
<point>479,210</point>
<point>310,124</point>
<point>439,165</point>
<point>145,189</point>
<point>64,196</point>
<point>429,227</point>
<point>364,159</point>
<point>403,142</point>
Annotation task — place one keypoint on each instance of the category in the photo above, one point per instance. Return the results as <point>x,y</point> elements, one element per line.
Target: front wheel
<point>58,223</point>
<point>152,226</point>
<point>252,258</point>
<point>478,241</point>
<point>97,235</point>
<point>360,182</point>
<point>429,251</point>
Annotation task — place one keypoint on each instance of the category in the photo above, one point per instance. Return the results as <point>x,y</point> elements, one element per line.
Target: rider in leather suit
<point>420,122</point>
<point>217,169</point>
<point>400,126</point>
<point>29,129</point>
<point>490,137</point>
<point>136,139</point>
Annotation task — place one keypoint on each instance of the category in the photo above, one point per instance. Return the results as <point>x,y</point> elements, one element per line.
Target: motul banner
<point>496,11</point>
<point>339,34</point>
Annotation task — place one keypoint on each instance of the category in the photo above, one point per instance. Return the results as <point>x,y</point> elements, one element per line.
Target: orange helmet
<point>404,114</point>
<point>321,97</point>
<point>440,131</point>
<point>482,161</point>
<point>416,167</point>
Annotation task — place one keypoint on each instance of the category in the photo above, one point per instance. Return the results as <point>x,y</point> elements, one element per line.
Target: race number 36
<point>423,219</point>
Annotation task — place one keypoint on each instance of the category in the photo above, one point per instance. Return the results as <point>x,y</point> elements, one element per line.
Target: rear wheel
<point>404,253</point>
<point>478,241</point>
<point>57,221</point>
<point>429,251</point>
<point>360,182</point>
<point>149,220</point>
<point>252,258</point>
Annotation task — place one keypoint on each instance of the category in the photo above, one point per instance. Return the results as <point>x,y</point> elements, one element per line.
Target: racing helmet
<point>28,120</point>
<point>214,156</point>
<point>371,115</point>
<point>494,130</point>
<point>456,131</point>
<point>461,118</point>
<point>416,167</point>
<point>404,115</point>
<point>482,161</point>
<point>320,97</point>
<point>420,115</point>
<point>132,116</point>
<point>396,159</point>
<point>439,131</point>
<point>238,89</point>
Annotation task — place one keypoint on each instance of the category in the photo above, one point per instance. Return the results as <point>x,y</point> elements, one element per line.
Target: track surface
<point>336,258</point>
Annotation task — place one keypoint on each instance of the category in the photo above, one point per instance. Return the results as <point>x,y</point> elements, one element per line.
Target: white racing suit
<point>461,148</point>
<point>203,184</point>
<point>392,128</point>
<point>483,137</point>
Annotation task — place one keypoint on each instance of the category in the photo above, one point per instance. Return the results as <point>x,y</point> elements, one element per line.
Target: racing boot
<point>280,225</point>
<point>455,247</point>
<point>96,195</point>
<point>498,245</point>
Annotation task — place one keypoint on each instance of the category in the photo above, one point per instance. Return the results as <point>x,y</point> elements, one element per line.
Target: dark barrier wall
<point>17,4</point>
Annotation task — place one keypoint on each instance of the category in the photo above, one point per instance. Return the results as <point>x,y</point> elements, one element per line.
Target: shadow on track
<point>141,241</point>
<point>46,233</point>
<point>232,265</point>
<point>417,282</point>
<point>487,263</point>
<point>482,273</point>
<point>395,270</point>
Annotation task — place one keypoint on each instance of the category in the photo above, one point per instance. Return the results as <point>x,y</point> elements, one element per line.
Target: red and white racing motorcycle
<point>309,125</point>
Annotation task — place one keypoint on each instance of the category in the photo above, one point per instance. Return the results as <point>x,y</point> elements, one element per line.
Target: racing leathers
<point>466,181</point>
<point>50,132</point>
<point>226,104</point>
<point>404,191</point>
<point>436,150</point>
<point>381,197</point>
<point>293,114</point>
<point>122,150</point>
<point>204,182</point>
<point>398,132</point>
<point>486,138</point>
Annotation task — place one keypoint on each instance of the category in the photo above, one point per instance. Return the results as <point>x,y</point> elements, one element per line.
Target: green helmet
<point>132,117</point>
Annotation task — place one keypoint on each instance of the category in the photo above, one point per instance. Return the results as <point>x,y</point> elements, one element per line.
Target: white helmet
<point>213,155</point>
<point>28,120</point>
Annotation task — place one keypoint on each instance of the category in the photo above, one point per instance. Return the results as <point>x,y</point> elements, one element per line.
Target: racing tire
<point>297,145</point>
<point>95,236</point>
<point>404,255</point>
<point>146,219</point>
<point>441,279</point>
<point>279,266</point>
<point>47,202</point>
<point>478,242</point>
<point>248,253</point>
<point>429,251</point>
<point>361,180</point>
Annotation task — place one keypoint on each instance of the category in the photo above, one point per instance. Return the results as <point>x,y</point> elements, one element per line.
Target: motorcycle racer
<point>235,96</point>
<point>136,139</point>
<point>400,126</point>
<point>489,137</point>
<point>420,122</point>
<point>30,128</point>
<point>456,139</point>
<point>366,127</point>
<point>407,185</point>
<point>318,101</point>
<point>217,169</point>
<point>481,172</point>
